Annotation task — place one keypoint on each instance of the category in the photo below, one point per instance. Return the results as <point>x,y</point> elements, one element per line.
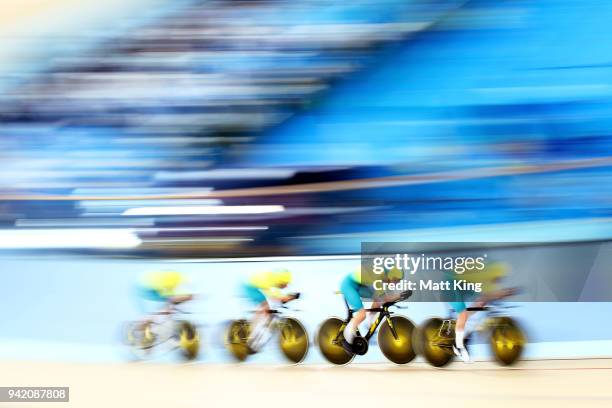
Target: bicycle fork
<point>446,328</point>
<point>391,326</point>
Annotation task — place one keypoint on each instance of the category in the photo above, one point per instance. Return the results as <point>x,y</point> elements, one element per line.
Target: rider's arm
<point>394,296</point>
<point>176,299</point>
<point>277,295</point>
<point>497,295</point>
<point>391,297</point>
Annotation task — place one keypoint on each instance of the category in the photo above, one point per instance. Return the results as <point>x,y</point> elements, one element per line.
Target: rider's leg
<point>460,307</point>
<point>262,316</point>
<point>257,297</point>
<point>352,327</point>
<point>460,328</point>
<point>259,326</point>
<point>261,319</point>
<point>371,316</point>
<point>462,316</point>
<point>350,290</point>
<point>146,297</point>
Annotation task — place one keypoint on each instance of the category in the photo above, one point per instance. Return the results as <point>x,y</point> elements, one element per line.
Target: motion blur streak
<point>63,238</point>
<point>318,119</point>
<point>203,210</point>
<point>211,154</point>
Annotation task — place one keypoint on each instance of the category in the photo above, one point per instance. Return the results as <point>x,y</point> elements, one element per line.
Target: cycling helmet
<point>394,274</point>
<point>171,279</point>
<point>283,276</point>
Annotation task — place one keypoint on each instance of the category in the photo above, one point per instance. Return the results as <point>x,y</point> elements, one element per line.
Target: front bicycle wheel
<point>507,340</point>
<point>236,339</point>
<point>329,338</point>
<point>397,348</point>
<point>293,340</point>
<point>435,347</point>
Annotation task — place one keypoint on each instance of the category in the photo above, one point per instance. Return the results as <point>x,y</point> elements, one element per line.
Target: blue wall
<point>73,308</point>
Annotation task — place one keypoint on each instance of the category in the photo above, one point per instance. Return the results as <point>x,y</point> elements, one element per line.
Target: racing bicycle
<point>435,338</point>
<point>394,336</point>
<point>292,336</point>
<point>146,338</point>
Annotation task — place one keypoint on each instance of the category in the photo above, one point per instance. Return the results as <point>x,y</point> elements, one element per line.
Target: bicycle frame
<point>492,310</point>
<point>275,319</point>
<point>168,317</point>
<point>275,323</point>
<point>383,312</point>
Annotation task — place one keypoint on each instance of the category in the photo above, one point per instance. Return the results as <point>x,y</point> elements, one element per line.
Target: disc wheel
<point>293,340</point>
<point>328,339</point>
<point>189,340</point>
<point>140,338</point>
<point>435,349</point>
<point>236,338</point>
<point>397,349</point>
<point>507,340</point>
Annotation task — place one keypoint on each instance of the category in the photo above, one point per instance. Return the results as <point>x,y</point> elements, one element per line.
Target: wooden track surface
<point>558,383</point>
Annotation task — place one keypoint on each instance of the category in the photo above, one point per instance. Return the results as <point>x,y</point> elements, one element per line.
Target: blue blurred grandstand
<point>322,124</point>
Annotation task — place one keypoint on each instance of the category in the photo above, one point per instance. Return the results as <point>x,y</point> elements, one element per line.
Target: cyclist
<point>357,286</point>
<point>159,287</point>
<point>162,287</point>
<point>489,278</point>
<point>260,288</point>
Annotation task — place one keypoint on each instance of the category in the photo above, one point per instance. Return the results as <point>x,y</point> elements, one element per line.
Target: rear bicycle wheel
<point>189,340</point>
<point>435,348</point>
<point>507,340</point>
<point>293,340</point>
<point>140,338</point>
<point>397,349</point>
<point>328,339</point>
<point>236,338</point>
